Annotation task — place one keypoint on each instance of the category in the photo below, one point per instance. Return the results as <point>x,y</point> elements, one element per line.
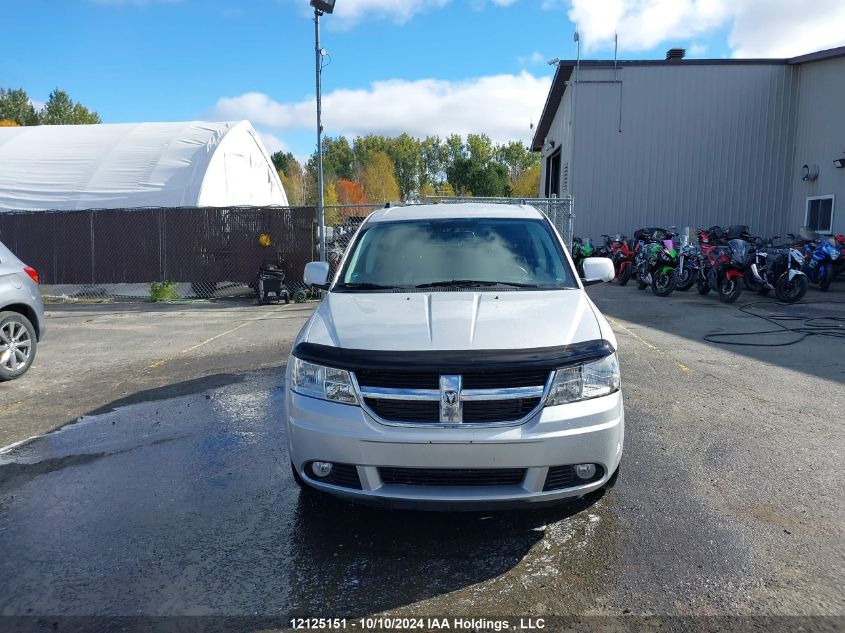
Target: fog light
<point>321,469</point>
<point>585,471</point>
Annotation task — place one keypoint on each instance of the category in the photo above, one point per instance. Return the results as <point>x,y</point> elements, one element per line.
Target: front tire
<point>791,291</point>
<point>663,283</point>
<point>686,279</point>
<point>624,275</point>
<point>702,285</point>
<point>825,278</point>
<point>729,289</point>
<point>18,345</point>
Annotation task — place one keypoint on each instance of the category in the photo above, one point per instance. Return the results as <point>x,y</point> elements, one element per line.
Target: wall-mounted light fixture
<point>839,163</point>
<point>809,173</point>
<point>549,145</point>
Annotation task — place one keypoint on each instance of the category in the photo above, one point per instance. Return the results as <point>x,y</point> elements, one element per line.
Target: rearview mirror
<point>316,274</point>
<point>597,270</point>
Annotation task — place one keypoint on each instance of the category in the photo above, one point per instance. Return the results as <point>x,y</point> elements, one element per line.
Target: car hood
<point>453,320</point>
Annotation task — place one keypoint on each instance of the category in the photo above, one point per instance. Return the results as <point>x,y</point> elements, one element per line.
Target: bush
<point>162,291</point>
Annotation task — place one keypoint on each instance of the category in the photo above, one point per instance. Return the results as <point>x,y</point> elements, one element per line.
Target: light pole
<point>320,7</point>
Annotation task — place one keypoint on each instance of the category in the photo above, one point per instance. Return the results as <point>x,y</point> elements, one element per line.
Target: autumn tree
<point>8,123</point>
<point>379,178</point>
<point>527,184</point>
<point>350,192</point>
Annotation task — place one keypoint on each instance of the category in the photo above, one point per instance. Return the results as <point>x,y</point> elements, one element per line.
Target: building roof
<point>70,167</point>
<point>454,211</point>
<point>565,69</point>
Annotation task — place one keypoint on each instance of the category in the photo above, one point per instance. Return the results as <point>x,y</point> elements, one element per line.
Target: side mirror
<point>317,274</point>
<point>597,270</point>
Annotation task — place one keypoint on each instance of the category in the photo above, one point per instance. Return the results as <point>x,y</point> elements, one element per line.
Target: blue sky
<point>425,66</point>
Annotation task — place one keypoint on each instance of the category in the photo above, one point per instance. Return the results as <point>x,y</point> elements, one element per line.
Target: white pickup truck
<point>455,362</point>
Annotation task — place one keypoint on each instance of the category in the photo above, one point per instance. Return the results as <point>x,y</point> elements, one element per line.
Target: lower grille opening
<point>561,477</point>
<point>498,410</point>
<point>345,475</point>
<point>452,476</point>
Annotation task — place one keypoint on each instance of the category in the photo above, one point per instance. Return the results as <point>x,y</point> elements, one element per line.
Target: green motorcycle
<point>581,250</point>
<point>656,266</point>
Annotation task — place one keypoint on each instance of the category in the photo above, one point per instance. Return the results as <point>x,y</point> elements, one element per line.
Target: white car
<point>456,361</point>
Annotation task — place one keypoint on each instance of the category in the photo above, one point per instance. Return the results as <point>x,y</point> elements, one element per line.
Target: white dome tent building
<point>134,165</point>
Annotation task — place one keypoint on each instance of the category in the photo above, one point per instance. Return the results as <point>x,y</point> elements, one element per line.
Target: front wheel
<point>702,285</point>
<point>642,284</point>
<point>751,282</point>
<point>729,289</point>
<point>663,282</point>
<point>17,345</point>
<point>825,278</point>
<point>791,291</point>
<point>686,278</point>
<point>624,275</point>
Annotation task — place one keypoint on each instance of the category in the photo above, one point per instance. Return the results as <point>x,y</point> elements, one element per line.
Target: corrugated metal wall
<point>699,145</point>
<point>820,138</point>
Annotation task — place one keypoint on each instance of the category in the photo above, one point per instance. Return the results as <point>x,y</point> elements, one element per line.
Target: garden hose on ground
<point>803,325</point>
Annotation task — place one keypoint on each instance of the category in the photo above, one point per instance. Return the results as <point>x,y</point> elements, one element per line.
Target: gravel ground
<point>179,501</point>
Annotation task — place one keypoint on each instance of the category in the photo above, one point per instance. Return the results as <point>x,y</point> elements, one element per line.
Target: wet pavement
<point>730,501</point>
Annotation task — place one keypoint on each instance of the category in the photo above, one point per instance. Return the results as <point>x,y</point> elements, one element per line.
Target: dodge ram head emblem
<point>451,407</point>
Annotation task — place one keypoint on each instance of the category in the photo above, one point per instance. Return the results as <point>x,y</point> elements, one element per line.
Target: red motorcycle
<point>622,255</point>
<point>721,266</point>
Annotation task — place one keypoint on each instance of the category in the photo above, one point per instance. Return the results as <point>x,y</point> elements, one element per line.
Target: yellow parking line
<point>162,361</point>
<point>679,364</point>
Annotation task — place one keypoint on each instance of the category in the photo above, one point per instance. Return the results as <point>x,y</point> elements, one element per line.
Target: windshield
<point>511,253</point>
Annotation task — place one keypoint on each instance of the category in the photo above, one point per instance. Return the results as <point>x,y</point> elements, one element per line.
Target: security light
<point>839,163</point>
<point>554,62</point>
<point>326,6</point>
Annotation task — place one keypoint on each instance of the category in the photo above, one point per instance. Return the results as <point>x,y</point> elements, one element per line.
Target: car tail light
<point>29,270</point>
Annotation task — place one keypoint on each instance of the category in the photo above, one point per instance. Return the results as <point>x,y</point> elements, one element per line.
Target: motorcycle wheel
<point>729,289</point>
<point>662,284</point>
<point>686,279</point>
<point>791,291</point>
<point>624,276</point>
<point>702,285</point>
<point>825,278</point>
<point>642,284</point>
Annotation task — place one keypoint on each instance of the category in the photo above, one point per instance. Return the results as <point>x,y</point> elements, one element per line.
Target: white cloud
<point>500,105</point>
<point>349,12</point>
<point>534,59</point>
<point>758,28</point>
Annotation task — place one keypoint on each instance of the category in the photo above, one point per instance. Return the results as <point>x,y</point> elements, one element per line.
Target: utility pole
<point>321,212</point>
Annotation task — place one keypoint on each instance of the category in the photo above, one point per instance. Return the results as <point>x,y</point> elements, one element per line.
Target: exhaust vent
<point>676,53</point>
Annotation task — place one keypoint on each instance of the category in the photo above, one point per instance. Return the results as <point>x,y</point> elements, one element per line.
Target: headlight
<point>322,382</point>
<point>582,382</point>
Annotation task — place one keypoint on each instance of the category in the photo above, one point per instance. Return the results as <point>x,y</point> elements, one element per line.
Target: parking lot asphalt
<point>172,495</point>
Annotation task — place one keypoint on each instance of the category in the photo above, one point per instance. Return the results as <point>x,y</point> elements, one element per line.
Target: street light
<point>320,7</point>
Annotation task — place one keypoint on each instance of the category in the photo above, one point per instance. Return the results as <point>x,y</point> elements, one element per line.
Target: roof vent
<point>676,53</point>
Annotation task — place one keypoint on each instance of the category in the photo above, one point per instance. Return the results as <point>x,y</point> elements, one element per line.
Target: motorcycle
<point>688,262</point>
<point>820,262</point>
<point>656,262</point>
<point>779,269</point>
<point>622,255</point>
<point>726,274</point>
<point>582,248</point>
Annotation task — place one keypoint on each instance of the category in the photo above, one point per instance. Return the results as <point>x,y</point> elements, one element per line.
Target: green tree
<point>432,159</point>
<point>16,106</point>
<point>404,151</point>
<point>517,158</point>
<point>283,160</point>
<point>480,148</point>
<point>379,178</point>
<point>338,159</point>
<point>60,109</point>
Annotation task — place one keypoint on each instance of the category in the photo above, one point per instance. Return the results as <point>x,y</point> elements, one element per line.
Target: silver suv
<point>21,315</point>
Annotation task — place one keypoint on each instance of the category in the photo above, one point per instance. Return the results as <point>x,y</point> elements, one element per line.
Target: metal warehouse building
<point>698,142</point>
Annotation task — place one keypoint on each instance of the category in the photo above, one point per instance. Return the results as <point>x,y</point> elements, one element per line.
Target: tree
<point>16,106</point>
<point>480,148</point>
<point>517,158</point>
<point>404,151</point>
<point>60,109</point>
<point>8,123</point>
<point>283,160</point>
<point>338,159</point>
<point>350,192</point>
<point>379,178</point>
<point>527,184</point>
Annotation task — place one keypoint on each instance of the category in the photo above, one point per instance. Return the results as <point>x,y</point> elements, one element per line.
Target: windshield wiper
<point>366,286</point>
<point>470,283</point>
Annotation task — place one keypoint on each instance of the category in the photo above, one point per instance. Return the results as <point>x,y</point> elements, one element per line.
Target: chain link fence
<point>189,253</point>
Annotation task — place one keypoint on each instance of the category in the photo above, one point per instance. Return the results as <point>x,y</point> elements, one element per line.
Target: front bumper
<point>590,431</point>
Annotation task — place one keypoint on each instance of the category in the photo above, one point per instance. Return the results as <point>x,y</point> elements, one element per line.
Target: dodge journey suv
<point>456,361</point>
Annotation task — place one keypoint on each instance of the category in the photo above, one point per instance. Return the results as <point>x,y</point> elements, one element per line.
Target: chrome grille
<point>475,398</point>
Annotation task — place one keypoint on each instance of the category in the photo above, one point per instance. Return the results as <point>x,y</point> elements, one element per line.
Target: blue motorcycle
<point>819,258</point>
